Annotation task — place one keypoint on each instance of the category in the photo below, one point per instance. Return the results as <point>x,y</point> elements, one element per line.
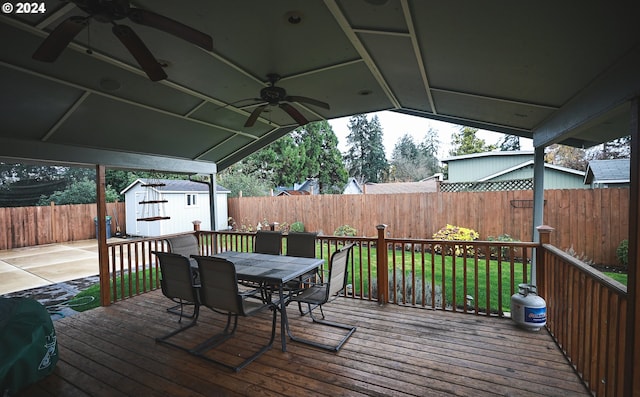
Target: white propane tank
<point>528,310</point>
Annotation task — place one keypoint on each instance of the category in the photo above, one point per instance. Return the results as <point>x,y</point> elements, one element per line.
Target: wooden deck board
<point>396,351</point>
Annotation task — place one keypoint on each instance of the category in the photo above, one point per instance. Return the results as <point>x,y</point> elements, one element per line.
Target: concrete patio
<point>40,266</point>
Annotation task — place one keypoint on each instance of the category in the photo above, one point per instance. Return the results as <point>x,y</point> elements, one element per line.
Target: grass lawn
<point>90,297</point>
<point>619,277</point>
<point>421,274</point>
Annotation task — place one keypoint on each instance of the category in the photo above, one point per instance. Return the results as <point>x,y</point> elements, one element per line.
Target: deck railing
<point>474,277</point>
<point>586,314</point>
<point>586,311</point>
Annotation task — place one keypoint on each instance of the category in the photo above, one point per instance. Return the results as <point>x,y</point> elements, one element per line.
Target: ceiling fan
<point>277,96</point>
<point>110,11</point>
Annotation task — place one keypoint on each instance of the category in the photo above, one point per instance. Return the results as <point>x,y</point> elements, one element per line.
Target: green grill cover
<point>28,347</point>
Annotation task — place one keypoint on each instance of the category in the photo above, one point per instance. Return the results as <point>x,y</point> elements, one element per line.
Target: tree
<point>237,179</point>
<point>466,142</point>
<point>616,149</point>
<point>322,159</point>
<point>509,143</point>
<point>566,156</point>
<point>411,162</point>
<point>81,192</point>
<point>309,152</point>
<point>365,158</point>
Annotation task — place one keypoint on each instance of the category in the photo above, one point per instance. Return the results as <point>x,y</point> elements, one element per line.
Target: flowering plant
<point>455,233</point>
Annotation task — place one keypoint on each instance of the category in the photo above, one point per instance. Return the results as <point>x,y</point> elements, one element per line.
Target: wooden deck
<point>396,351</point>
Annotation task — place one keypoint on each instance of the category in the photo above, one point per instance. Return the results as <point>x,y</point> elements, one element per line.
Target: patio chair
<point>177,284</point>
<point>185,245</point>
<point>318,294</point>
<point>265,242</point>
<point>268,242</point>
<point>219,292</point>
<point>301,244</point>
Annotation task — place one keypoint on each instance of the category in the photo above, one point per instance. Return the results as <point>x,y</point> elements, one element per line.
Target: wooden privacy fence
<point>29,226</point>
<point>591,222</point>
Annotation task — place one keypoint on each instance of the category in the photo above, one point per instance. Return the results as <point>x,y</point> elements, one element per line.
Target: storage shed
<point>156,207</point>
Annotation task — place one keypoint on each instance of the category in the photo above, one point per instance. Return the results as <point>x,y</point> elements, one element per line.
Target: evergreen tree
<point>616,149</point>
<point>365,158</point>
<point>509,143</point>
<point>411,162</point>
<point>429,150</point>
<point>309,152</point>
<point>323,160</point>
<point>466,142</point>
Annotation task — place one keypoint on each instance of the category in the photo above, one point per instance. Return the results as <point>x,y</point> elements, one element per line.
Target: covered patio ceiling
<point>553,71</point>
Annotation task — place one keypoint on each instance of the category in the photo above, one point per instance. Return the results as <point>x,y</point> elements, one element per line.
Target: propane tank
<point>528,310</point>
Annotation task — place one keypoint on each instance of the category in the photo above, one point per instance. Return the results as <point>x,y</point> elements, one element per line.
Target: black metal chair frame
<point>219,292</point>
<point>319,294</point>
<point>265,242</point>
<point>179,289</point>
<point>185,245</point>
<point>301,244</point>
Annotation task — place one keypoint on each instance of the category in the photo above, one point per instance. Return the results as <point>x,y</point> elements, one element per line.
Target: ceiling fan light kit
<point>277,96</point>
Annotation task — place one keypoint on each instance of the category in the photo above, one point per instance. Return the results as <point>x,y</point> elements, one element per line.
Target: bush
<point>345,230</point>
<point>297,227</point>
<point>505,251</point>
<point>455,233</point>
<point>622,253</point>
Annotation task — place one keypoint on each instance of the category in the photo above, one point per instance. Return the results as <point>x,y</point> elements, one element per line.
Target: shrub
<point>622,253</point>
<point>297,227</point>
<point>505,251</point>
<point>345,230</point>
<point>455,233</point>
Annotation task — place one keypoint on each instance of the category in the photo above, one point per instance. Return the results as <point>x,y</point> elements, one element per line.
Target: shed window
<point>191,200</point>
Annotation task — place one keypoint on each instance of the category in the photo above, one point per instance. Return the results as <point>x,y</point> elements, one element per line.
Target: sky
<point>395,125</point>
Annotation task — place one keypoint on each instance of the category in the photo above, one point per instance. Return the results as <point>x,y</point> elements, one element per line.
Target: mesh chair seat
<point>319,294</point>
<point>177,284</point>
<point>219,292</point>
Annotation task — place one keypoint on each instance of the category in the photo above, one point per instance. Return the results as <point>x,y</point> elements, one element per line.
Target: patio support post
<point>544,232</point>
<point>103,251</point>
<point>632,350</point>
<point>382,267</point>
<point>213,213</point>
<point>538,200</point>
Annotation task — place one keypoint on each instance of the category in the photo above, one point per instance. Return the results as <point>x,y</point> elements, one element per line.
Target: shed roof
<point>608,171</point>
<point>176,186</point>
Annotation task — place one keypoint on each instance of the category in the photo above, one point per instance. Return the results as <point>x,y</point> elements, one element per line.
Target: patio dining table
<point>274,270</point>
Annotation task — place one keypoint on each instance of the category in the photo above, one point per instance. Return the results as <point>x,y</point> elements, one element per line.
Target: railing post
<point>382,266</point>
<point>544,232</point>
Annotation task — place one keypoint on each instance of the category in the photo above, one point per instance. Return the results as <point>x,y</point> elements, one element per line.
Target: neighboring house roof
<point>608,171</point>
<point>530,164</point>
<point>352,187</point>
<point>310,185</point>
<point>290,192</point>
<point>491,154</point>
<point>176,186</point>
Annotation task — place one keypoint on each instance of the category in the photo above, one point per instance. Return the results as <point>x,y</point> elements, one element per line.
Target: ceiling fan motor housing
<point>273,95</point>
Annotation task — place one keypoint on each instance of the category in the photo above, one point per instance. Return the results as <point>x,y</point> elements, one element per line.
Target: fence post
<point>544,232</point>
<point>382,267</point>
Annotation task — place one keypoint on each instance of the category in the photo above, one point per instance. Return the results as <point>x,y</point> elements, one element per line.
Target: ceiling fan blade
<point>51,48</point>
<point>254,115</point>
<point>310,101</point>
<point>140,52</point>
<point>294,113</point>
<point>171,26</point>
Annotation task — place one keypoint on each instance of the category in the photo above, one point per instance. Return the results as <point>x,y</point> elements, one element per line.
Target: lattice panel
<point>514,184</point>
